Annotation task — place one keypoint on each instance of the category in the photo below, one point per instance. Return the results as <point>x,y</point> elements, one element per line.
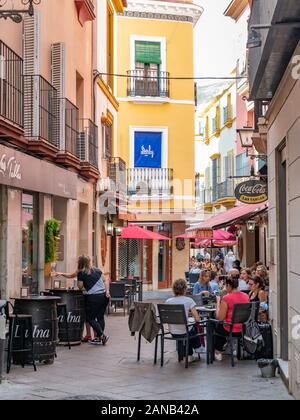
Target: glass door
<point>29,244</point>
<point>164,264</point>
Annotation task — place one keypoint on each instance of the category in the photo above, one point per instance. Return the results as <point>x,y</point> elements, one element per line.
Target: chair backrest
<point>198,299</point>
<point>241,313</point>
<point>193,278</point>
<point>172,314</point>
<point>187,275</point>
<point>117,290</point>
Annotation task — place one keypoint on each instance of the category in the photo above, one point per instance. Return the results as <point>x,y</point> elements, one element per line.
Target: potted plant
<point>52,238</point>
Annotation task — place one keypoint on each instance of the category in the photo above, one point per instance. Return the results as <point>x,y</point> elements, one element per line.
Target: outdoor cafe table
<point>210,313</point>
<point>45,324</point>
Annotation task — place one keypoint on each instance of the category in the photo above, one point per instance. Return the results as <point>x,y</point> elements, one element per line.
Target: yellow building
<point>156,129</point>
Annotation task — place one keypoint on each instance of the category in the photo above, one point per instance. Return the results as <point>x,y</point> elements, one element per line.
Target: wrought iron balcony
<point>11,86</point>
<point>223,190</point>
<point>148,83</point>
<point>150,181</point>
<point>41,115</point>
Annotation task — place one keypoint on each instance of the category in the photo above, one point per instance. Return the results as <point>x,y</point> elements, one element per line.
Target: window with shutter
<point>31,66</point>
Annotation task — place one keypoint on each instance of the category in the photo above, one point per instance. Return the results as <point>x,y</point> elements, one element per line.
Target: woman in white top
<point>180,288</point>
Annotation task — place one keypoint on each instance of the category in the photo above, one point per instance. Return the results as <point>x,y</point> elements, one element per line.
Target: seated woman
<point>202,287</point>
<point>179,289</point>
<point>225,312</point>
<point>258,294</point>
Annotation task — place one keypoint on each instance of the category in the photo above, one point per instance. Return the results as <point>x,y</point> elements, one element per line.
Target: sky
<point>215,52</point>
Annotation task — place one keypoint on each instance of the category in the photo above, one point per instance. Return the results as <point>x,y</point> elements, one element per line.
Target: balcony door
<point>147,68</point>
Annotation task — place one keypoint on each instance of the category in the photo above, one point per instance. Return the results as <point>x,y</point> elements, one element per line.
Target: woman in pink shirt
<point>225,312</point>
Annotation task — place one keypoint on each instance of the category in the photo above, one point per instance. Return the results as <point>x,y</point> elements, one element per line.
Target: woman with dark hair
<point>97,295</point>
<point>225,311</point>
<point>258,294</point>
<point>180,287</point>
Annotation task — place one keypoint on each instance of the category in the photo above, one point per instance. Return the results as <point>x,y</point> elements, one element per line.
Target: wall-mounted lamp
<point>118,231</point>
<point>251,226</point>
<point>17,15</point>
<point>110,229</point>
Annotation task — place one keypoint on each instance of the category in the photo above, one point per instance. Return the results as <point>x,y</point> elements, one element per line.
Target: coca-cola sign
<point>252,192</point>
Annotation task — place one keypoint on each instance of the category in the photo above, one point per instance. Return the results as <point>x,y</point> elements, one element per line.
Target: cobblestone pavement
<point>111,372</point>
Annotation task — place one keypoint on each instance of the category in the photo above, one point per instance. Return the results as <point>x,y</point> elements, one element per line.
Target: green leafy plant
<point>52,237</point>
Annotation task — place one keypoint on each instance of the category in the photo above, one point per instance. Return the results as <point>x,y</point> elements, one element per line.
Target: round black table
<point>75,303</point>
<point>45,325</point>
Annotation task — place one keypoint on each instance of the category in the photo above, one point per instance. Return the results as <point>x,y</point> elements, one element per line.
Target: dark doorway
<point>283,256</point>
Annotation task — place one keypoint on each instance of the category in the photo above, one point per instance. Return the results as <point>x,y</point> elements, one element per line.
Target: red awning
<point>136,232</point>
<point>230,216</point>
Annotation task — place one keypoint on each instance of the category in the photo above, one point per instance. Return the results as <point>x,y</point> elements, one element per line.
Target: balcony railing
<point>150,181</point>
<point>148,83</point>
<point>117,175</point>
<point>11,86</point>
<point>87,142</point>
<point>204,196</point>
<point>40,110</point>
<point>69,126</point>
<point>223,190</point>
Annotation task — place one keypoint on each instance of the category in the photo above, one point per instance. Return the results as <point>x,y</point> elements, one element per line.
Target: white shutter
<point>58,77</point>
<point>31,67</point>
<point>31,43</point>
<point>58,67</point>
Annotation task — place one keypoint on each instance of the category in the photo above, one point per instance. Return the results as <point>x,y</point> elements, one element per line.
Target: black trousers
<point>194,343</point>
<point>95,311</point>
<point>221,338</point>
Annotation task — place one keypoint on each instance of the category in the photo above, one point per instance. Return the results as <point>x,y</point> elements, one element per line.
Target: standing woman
<point>97,295</point>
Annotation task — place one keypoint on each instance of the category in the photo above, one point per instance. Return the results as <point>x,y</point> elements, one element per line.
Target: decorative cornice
<point>181,12</point>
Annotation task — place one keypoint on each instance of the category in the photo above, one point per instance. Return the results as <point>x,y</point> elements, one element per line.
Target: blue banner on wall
<point>147,149</point>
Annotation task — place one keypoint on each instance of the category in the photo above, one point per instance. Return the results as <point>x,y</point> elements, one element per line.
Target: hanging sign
<point>252,192</point>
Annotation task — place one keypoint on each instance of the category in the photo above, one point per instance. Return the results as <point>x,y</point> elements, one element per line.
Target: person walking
<point>97,295</point>
<point>229,260</point>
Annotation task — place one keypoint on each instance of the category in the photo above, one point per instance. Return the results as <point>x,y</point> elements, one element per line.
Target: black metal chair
<point>242,313</point>
<point>20,339</point>
<point>193,278</point>
<point>119,294</point>
<point>144,307</point>
<point>187,275</point>
<point>198,299</point>
<point>176,315</point>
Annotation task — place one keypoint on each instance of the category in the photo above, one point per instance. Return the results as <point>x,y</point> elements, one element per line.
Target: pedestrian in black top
<point>96,287</point>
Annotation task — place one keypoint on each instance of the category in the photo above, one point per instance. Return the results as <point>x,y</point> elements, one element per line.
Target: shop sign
<point>22,171</point>
<point>10,167</point>
<point>252,192</point>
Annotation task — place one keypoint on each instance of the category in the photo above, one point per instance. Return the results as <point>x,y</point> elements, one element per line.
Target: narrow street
<point>89,372</point>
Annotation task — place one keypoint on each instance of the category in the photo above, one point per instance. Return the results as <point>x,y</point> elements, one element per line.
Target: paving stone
<point>112,373</point>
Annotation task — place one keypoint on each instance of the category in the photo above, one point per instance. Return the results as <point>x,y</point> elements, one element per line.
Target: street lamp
<point>246,138</point>
<point>17,15</point>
